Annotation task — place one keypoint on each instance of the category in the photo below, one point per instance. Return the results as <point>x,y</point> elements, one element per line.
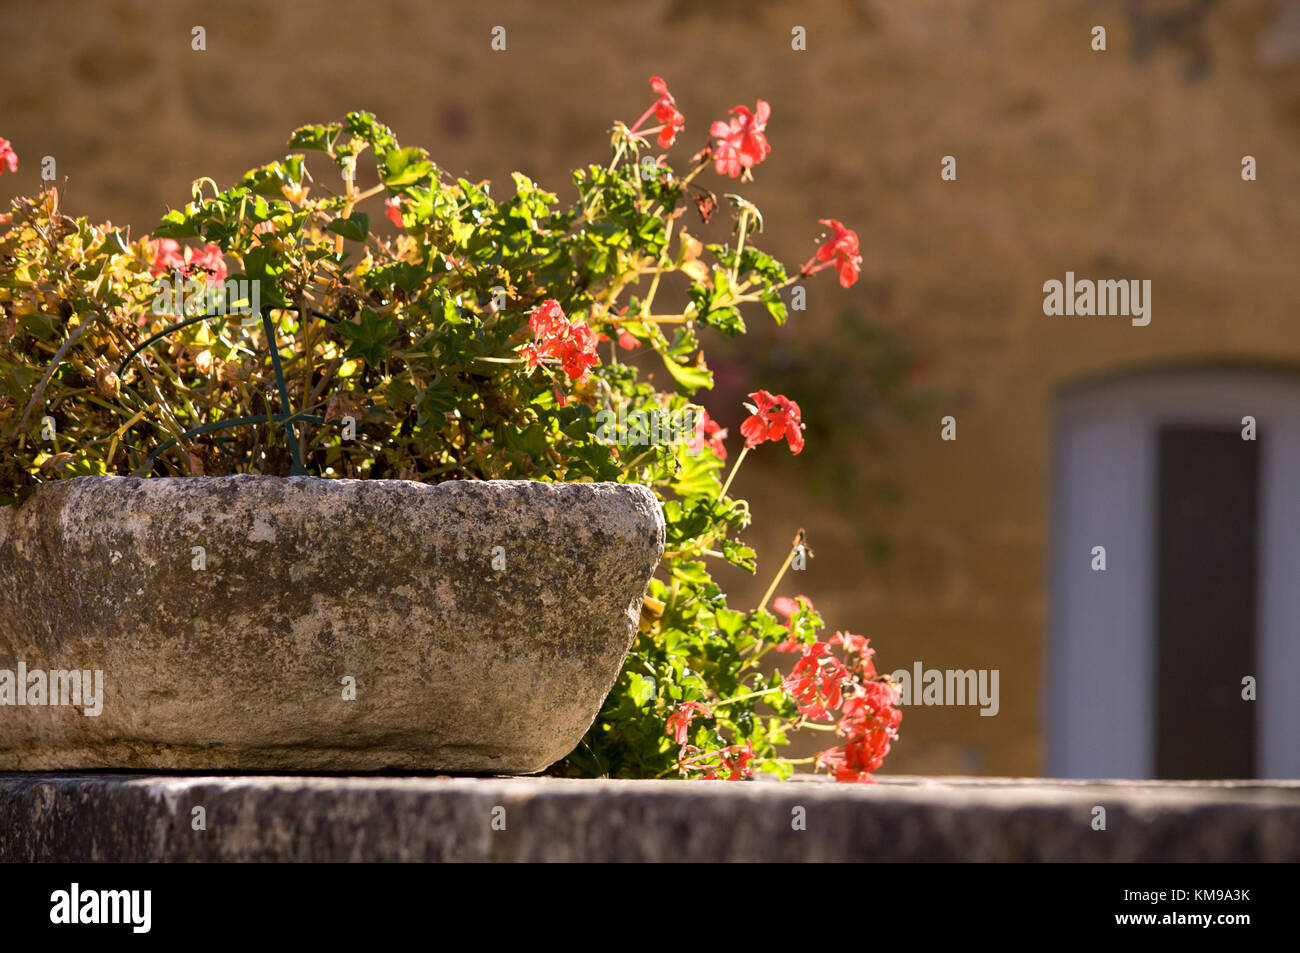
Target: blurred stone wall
<point>1124,163</point>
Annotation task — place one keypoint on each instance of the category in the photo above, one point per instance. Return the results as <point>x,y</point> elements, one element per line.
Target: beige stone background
<point>1117,164</point>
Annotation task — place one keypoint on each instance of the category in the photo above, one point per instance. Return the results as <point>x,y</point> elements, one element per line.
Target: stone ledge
<point>121,817</point>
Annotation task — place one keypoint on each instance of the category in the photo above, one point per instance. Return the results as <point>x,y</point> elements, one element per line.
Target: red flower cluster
<point>840,250</point>
<point>736,760</point>
<point>666,112</point>
<point>773,417</point>
<point>861,647</point>
<point>816,682</point>
<point>708,432</point>
<point>741,144</point>
<point>8,158</point>
<point>573,344</point>
<point>869,722</point>
<point>167,257</point>
<point>869,716</point>
<point>671,121</point>
<point>679,722</point>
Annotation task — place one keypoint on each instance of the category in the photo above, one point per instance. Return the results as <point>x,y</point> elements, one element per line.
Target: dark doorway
<point>1208,493</point>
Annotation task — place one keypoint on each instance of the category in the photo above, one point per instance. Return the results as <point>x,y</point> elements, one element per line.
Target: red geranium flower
<point>861,647</point>
<point>841,249</point>
<point>740,142</point>
<point>167,257</point>
<point>208,259</point>
<point>816,682</point>
<point>577,351</point>
<point>774,417</point>
<point>870,722</point>
<point>548,320</point>
<point>393,210</point>
<point>738,765</point>
<point>572,344</point>
<point>679,722</point>
<point>8,158</point>
<point>667,113</point>
<point>671,121</point>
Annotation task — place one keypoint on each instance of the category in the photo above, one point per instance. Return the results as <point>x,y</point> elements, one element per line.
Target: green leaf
<point>369,336</point>
<point>115,243</point>
<point>641,689</point>
<point>739,555</point>
<point>692,572</point>
<point>406,167</point>
<point>176,224</point>
<point>688,379</point>
<point>729,621</point>
<point>319,138</point>
<point>698,475</point>
<point>354,228</point>
<point>775,306</point>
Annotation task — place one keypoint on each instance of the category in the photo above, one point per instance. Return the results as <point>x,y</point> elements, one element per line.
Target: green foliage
<point>413,333</point>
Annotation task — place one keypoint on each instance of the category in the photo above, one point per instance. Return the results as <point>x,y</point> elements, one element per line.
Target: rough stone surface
<point>240,666</point>
<point>143,818</point>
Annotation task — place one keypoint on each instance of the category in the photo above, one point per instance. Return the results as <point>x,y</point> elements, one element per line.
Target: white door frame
<point>1101,682</point>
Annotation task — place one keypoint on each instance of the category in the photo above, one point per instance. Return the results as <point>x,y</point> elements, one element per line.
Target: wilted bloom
<point>107,383</point>
<point>8,158</point>
<point>740,143</point>
<point>841,250</point>
<point>626,341</point>
<point>773,417</point>
<point>680,720</point>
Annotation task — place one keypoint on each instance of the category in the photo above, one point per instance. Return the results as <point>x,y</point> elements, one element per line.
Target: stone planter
<point>263,623</point>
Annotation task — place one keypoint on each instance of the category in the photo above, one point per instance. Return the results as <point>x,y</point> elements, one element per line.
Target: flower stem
<point>746,697</point>
<point>658,271</point>
<point>732,475</point>
<point>644,116</point>
<point>740,245</point>
<point>794,548</point>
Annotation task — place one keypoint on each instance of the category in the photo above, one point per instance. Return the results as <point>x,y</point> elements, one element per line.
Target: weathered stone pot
<point>262,623</point>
